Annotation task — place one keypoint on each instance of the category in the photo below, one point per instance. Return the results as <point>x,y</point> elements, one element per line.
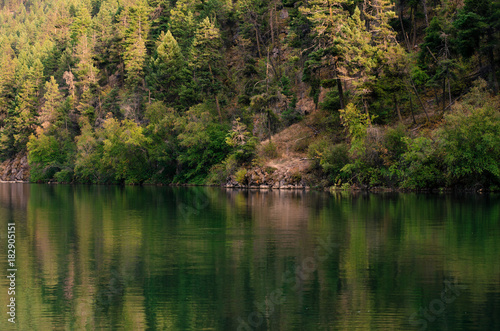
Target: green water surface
<point>163,258</point>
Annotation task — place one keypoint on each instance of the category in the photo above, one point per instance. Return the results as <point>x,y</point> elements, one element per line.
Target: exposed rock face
<point>16,169</point>
<point>306,106</point>
<point>270,178</point>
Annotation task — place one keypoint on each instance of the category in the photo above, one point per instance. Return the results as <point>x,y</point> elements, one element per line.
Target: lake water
<point>163,258</point>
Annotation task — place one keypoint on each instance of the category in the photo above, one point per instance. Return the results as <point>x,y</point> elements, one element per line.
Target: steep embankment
<point>282,163</point>
<point>15,170</point>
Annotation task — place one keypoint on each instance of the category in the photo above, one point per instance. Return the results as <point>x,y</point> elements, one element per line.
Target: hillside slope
<point>188,91</point>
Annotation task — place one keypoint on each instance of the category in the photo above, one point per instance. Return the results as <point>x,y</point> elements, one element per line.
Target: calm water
<point>161,258</point>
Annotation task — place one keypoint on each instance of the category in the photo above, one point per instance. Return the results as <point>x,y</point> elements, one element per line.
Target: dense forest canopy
<point>402,93</point>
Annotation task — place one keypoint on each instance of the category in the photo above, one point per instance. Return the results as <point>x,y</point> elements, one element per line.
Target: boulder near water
<point>15,170</point>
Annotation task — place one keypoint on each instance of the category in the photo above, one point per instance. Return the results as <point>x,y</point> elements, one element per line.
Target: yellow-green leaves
<point>356,121</point>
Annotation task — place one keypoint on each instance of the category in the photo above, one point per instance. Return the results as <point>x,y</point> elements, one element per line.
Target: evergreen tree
<point>26,111</point>
<point>7,83</point>
<point>207,60</point>
<point>53,101</point>
<point>168,77</point>
<point>478,28</point>
<point>327,18</point>
<point>107,50</point>
<point>135,22</point>
<point>182,24</point>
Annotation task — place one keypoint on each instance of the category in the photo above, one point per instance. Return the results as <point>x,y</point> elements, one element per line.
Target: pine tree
<point>327,17</point>
<point>82,24</point>
<point>359,46</point>
<point>168,77</point>
<point>107,50</point>
<point>478,29</point>
<point>134,21</point>
<point>85,70</point>
<point>182,24</point>
<point>25,121</point>
<point>53,101</point>
<point>207,60</point>
<point>7,83</point>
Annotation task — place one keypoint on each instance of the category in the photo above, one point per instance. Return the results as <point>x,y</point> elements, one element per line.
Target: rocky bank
<point>268,178</point>
<point>15,170</point>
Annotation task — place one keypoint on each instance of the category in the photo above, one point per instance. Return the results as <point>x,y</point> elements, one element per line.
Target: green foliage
<point>220,173</point>
<point>469,26</point>
<point>217,175</point>
<point>64,176</point>
<point>291,116</point>
<point>88,155</point>
<point>124,152</point>
<point>356,122</point>
<point>116,153</point>
<point>143,91</point>
<point>419,76</point>
<point>422,164</point>
<point>477,26</point>
<point>163,149</point>
<point>395,144</point>
<point>243,143</point>
<point>169,76</point>
<point>206,57</point>
<point>331,102</point>
<point>470,141</point>
<point>202,143</point>
<point>135,25</point>
<point>367,165</point>
<point>265,104</point>
<point>241,176</point>
<point>434,40</point>
<point>49,154</point>
<point>331,158</point>
<point>182,24</point>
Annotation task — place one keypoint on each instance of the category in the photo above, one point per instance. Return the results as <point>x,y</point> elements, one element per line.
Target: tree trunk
<point>341,92</point>
<point>449,90</point>
<point>396,105</point>
<point>367,113</point>
<point>272,27</point>
<point>258,43</point>
<point>405,36</point>
<point>218,108</point>
<point>269,125</point>
<point>444,92</point>
<point>411,109</point>
<point>267,72</point>
<point>413,25</point>
<point>363,16</point>
<point>424,3</point>
<point>420,100</point>
<point>276,16</point>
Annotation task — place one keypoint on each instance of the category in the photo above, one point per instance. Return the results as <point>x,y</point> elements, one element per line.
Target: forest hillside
<point>344,93</point>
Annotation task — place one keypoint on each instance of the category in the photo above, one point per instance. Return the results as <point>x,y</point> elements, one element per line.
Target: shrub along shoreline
<point>461,152</point>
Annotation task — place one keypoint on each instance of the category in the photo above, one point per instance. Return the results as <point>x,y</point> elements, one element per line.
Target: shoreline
<point>306,188</point>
